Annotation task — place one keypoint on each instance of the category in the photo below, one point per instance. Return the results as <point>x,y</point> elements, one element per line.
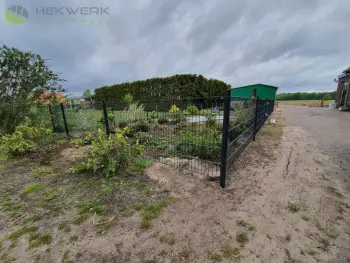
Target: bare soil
<point>279,206</point>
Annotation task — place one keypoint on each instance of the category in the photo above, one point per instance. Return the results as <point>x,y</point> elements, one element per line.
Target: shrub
<point>77,142</point>
<point>24,140</point>
<point>174,109</point>
<point>204,144</point>
<point>108,154</point>
<point>245,119</point>
<point>140,127</point>
<point>128,98</point>
<point>211,120</point>
<point>148,140</point>
<point>176,118</point>
<point>192,110</point>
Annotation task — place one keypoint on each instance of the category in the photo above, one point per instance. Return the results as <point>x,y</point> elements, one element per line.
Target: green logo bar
<point>17,15</point>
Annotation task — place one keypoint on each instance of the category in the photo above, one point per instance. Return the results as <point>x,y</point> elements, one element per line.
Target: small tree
<point>24,77</point>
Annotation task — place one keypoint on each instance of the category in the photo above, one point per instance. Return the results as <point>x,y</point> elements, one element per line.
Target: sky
<point>297,45</point>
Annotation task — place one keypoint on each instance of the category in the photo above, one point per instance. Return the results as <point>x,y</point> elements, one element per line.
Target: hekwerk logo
<point>16,14</point>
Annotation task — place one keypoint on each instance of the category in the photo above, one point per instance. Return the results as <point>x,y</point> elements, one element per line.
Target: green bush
<point>108,154</point>
<point>174,109</point>
<point>128,98</point>
<point>176,118</point>
<point>139,127</point>
<point>204,144</point>
<point>148,140</point>
<point>192,110</point>
<point>24,140</point>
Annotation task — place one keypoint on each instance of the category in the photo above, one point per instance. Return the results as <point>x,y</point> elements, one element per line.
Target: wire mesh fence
<point>200,135</point>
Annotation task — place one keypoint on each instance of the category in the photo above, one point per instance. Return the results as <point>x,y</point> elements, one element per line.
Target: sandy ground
<point>292,208</point>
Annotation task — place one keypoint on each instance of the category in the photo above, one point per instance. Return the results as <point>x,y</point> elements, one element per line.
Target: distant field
<point>305,102</point>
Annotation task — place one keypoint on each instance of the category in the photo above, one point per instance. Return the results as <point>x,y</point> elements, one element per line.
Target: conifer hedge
<point>187,87</point>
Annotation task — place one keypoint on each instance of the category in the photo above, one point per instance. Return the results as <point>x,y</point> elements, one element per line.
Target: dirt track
<point>331,130</point>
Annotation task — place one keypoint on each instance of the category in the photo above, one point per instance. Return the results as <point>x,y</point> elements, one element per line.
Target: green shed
<point>257,90</point>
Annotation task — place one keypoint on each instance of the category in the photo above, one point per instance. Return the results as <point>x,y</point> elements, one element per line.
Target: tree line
<point>307,96</point>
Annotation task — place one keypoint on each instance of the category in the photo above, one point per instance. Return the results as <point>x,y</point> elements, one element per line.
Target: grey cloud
<point>297,45</point>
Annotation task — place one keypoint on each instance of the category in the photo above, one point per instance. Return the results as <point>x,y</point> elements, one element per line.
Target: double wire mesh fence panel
<point>186,133</point>
<point>241,128</point>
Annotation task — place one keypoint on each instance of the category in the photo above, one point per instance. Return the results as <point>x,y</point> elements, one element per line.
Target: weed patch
<point>242,237</point>
<point>41,171</point>
<point>216,256</point>
<point>31,188</point>
<point>63,226</point>
<point>39,240</point>
<point>143,162</point>
<point>293,208</point>
<point>21,232</point>
<point>152,211</point>
<point>230,253</point>
<point>33,218</point>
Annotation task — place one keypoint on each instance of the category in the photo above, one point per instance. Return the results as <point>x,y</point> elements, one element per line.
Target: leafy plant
<point>192,110</point>
<point>108,154</point>
<point>210,119</point>
<point>174,109</point>
<point>24,140</point>
<point>77,142</point>
<point>204,144</point>
<point>148,140</point>
<point>128,98</point>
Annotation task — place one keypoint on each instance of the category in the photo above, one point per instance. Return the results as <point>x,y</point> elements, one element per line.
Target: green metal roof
<point>262,91</point>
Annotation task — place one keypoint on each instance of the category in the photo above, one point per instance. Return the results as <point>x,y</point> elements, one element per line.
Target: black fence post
<point>256,116</point>
<point>105,115</point>
<point>52,119</point>
<point>64,120</point>
<point>224,144</point>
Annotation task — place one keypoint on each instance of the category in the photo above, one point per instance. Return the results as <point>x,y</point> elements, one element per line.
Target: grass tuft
<point>31,188</point>
<point>293,208</point>
<point>216,256</point>
<point>152,211</point>
<point>143,162</point>
<point>242,237</point>
<point>41,171</point>
<point>33,218</point>
<point>21,232</point>
<point>39,240</point>
<point>230,253</point>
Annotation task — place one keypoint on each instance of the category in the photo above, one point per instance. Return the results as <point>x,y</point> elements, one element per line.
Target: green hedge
<point>164,91</point>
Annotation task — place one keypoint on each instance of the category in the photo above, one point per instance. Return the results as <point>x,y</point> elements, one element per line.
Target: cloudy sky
<point>298,45</point>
